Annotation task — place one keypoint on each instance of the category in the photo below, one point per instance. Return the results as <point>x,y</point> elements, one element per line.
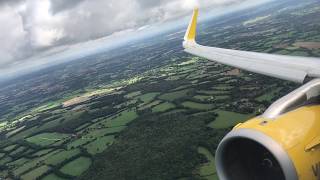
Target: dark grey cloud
<point>63,5</point>
<point>151,3</point>
<point>10,2</point>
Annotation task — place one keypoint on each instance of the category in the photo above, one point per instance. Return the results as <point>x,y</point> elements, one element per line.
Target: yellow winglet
<point>192,29</point>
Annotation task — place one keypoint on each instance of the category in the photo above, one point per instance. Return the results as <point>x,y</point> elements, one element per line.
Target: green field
<point>15,131</point>
<point>133,94</point>
<point>95,131</point>
<point>79,142</point>
<point>199,106</point>
<point>213,92</point>
<point>222,88</point>
<point>175,77</point>
<point>122,119</point>
<point>192,61</point>
<point>150,105</point>
<point>268,96</point>
<point>77,166</point>
<point>98,132</point>
<point>150,111</point>
<point>25,133</point>
<point>82,126</point>
<point>48,106</point>
<point>197,76</point>
<point>175,111</point>
<point>174,95</point>
<point>203,97</point>
<point>61,156</point>
<point>18,151</point>
<point>34,174</point>
<point>221,97</point>
<point>114,129</point>
<point>73,115</point>
<point>46,139</point>
<point>42,152</point>
<point>182,87</point>
<point>300,53</point>
<point>207,170</point>
<point>52,177</point>
<point>4,174</point>
<point>9,148</point>
<point>163,107</point>
<point>5,160</point>
<point>147,98</point>
<point>18,162</point>
<point>51,124</point>
<point>99,145</point>
<point>228,119</point>
<point>32,164</point>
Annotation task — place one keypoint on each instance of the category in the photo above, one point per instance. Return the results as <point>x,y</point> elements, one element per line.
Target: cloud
<point>12,35</point>
<point>31,27</point>
<point>10,2</point>
<point>63,5</point>
<point>152,3</point>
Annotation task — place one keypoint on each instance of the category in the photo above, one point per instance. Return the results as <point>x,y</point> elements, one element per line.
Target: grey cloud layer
<point>62,5</point>
<point>33,26</point>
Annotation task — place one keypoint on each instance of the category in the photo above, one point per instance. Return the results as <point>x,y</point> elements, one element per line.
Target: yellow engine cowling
<point>284,148</point>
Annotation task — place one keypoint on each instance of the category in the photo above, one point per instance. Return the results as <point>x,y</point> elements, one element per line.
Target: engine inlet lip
<point>272,146</point>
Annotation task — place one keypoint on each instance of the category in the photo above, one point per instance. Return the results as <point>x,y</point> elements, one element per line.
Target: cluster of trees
<point>156,147</point>
<point>69,125</point>
<point>105,106</point>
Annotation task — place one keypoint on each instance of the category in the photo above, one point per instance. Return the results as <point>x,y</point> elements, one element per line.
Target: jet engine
<point>281,144</point>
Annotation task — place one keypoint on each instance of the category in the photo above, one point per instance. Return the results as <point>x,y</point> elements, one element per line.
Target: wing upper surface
<point>290,68</point>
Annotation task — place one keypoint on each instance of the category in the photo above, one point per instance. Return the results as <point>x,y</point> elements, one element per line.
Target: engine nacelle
<point>284,148</point>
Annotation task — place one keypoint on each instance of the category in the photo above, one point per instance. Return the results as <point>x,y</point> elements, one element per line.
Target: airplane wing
<point>292,68</point>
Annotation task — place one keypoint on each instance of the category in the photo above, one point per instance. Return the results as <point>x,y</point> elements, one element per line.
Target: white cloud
<point>12,34</point>
<point>33,26</point>
<point>43,28</point>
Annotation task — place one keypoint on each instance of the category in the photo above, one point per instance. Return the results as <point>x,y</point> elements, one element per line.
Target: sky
<point>34,30</point>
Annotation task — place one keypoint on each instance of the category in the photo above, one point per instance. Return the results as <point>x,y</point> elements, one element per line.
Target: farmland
<point>150,111</point>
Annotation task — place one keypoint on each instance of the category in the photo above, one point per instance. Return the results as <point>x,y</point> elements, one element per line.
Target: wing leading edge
<point>290,68</point>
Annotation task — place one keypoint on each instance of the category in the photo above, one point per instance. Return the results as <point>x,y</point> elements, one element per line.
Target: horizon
<point>65,53</point>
